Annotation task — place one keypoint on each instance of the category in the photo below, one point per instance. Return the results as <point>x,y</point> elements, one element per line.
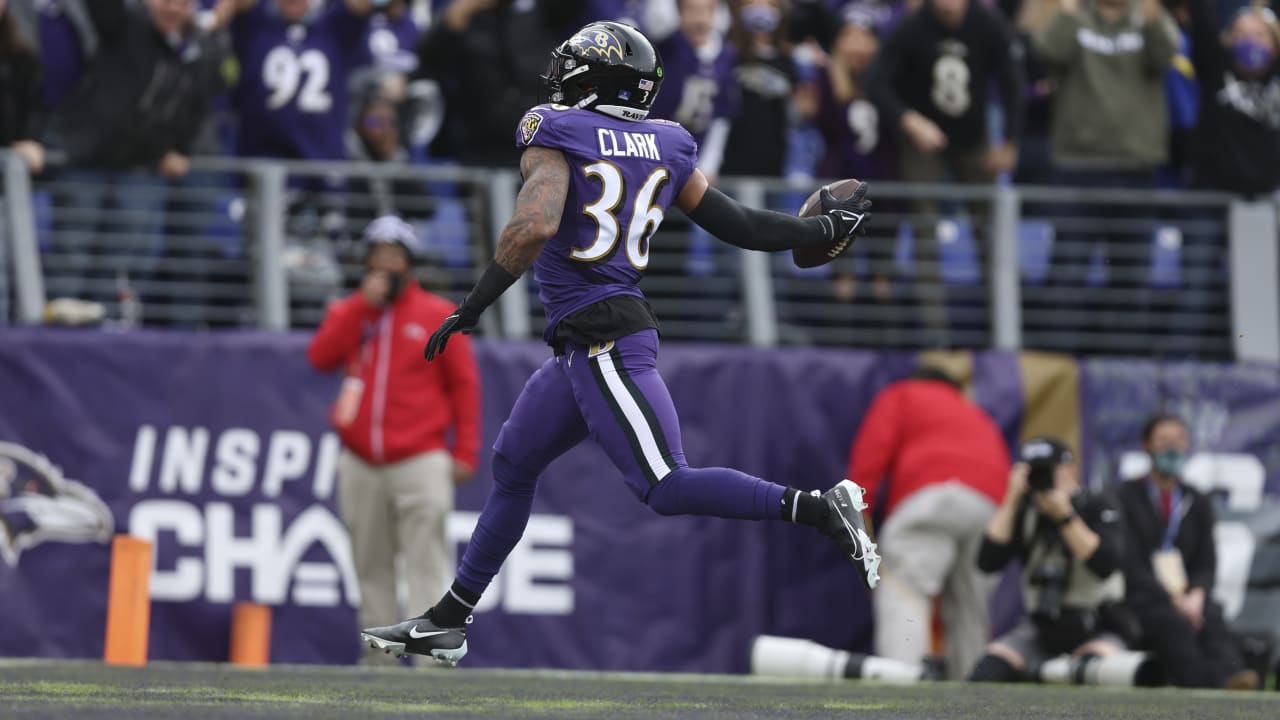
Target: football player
<point>598,178</point>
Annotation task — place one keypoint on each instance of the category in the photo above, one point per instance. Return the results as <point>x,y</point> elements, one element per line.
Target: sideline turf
<point>87,690</point>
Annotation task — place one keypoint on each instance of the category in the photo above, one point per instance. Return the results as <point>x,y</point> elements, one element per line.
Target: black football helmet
<point>608,67</point>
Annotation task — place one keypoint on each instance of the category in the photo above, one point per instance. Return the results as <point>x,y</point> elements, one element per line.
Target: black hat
<point>1043,448</point>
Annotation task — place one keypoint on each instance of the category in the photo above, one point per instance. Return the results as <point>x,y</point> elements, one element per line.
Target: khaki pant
<point>401,510</point>
<point>930,547</point>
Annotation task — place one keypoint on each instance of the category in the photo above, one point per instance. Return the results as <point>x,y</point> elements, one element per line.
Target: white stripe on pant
<point>400,509</point>
<point>639,425</point>
<point>929,547</point>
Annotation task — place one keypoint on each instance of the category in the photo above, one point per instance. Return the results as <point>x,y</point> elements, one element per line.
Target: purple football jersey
<point>695,92</point>
<point>623,175</point>
<point>292,96</point>
<point>856,142</point>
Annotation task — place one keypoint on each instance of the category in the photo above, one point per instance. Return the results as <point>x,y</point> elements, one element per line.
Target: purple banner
<point>217,447</point>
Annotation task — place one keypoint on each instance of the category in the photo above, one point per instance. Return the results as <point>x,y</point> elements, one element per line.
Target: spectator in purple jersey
<point>480,52</point>
<point>127,128</point>
<point>699,83</point>
<point>295,58</point>
<point>699,93</point>
<point>599,177</point>
<point>21,114</point>
<point>857,146</point>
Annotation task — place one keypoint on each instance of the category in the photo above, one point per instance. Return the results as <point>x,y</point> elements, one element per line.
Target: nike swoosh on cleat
<point>413,633</point>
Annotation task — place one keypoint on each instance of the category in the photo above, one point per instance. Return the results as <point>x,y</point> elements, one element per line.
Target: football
<point>815,255</point>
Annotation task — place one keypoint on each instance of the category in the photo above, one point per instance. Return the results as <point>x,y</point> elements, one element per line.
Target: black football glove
<point>848,216</point>
<point>460,321</point>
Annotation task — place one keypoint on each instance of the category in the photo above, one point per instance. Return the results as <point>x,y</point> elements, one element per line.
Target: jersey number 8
<point>951,85</point>
<point>645,216</point>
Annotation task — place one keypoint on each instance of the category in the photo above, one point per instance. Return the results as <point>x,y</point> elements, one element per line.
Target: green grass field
<point>86,690</point>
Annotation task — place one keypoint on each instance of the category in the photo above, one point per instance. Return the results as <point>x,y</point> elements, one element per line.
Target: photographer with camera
<point>1069,543</point>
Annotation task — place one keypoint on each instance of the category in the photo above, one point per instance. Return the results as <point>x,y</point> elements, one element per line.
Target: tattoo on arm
<point>538,209</point>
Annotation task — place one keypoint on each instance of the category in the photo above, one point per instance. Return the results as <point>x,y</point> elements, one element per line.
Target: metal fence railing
<point>916,280</point>
<point>269,243</point>
<point>1127,272</point>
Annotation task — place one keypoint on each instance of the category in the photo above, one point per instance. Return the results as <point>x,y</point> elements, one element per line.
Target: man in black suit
<point>1169,567</point>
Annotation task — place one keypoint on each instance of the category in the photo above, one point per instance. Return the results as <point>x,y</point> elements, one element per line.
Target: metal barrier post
<point>757,281</point>
<point>270,279</point>
<point>1254,273</point>
<point>515,301</point>
<point>1004,275</point>
<point>28,277</point>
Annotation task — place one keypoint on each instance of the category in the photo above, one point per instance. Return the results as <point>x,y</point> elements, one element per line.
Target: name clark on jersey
<point>634,144</point>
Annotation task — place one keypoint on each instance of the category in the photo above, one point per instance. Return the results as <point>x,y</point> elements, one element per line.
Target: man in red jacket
<point>396,474</point>
<point>946,466</point>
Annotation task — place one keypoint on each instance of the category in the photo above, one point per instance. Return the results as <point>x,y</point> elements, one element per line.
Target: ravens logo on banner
<point>38,504</point>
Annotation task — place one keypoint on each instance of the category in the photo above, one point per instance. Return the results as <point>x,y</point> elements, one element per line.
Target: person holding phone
<point>395,414</point>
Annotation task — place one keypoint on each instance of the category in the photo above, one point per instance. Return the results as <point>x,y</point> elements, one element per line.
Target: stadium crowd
<point>1096,93</point>
<point>895,90</point>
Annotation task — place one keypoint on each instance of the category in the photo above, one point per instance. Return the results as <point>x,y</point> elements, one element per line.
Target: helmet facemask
<point>564,66</point>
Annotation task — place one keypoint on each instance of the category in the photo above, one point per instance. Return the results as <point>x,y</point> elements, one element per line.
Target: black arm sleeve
<point>495,281</point>
<point>753,229</point>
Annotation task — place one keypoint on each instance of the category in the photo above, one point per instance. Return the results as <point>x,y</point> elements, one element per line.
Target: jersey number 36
<point>645,215</point>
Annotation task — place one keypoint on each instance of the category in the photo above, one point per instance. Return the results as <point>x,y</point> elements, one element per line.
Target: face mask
<point>1251,56</point>
<point>1169,462</point>
<point>760,18</point>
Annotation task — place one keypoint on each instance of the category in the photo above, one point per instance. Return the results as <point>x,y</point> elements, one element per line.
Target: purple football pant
<point>613,394</point>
